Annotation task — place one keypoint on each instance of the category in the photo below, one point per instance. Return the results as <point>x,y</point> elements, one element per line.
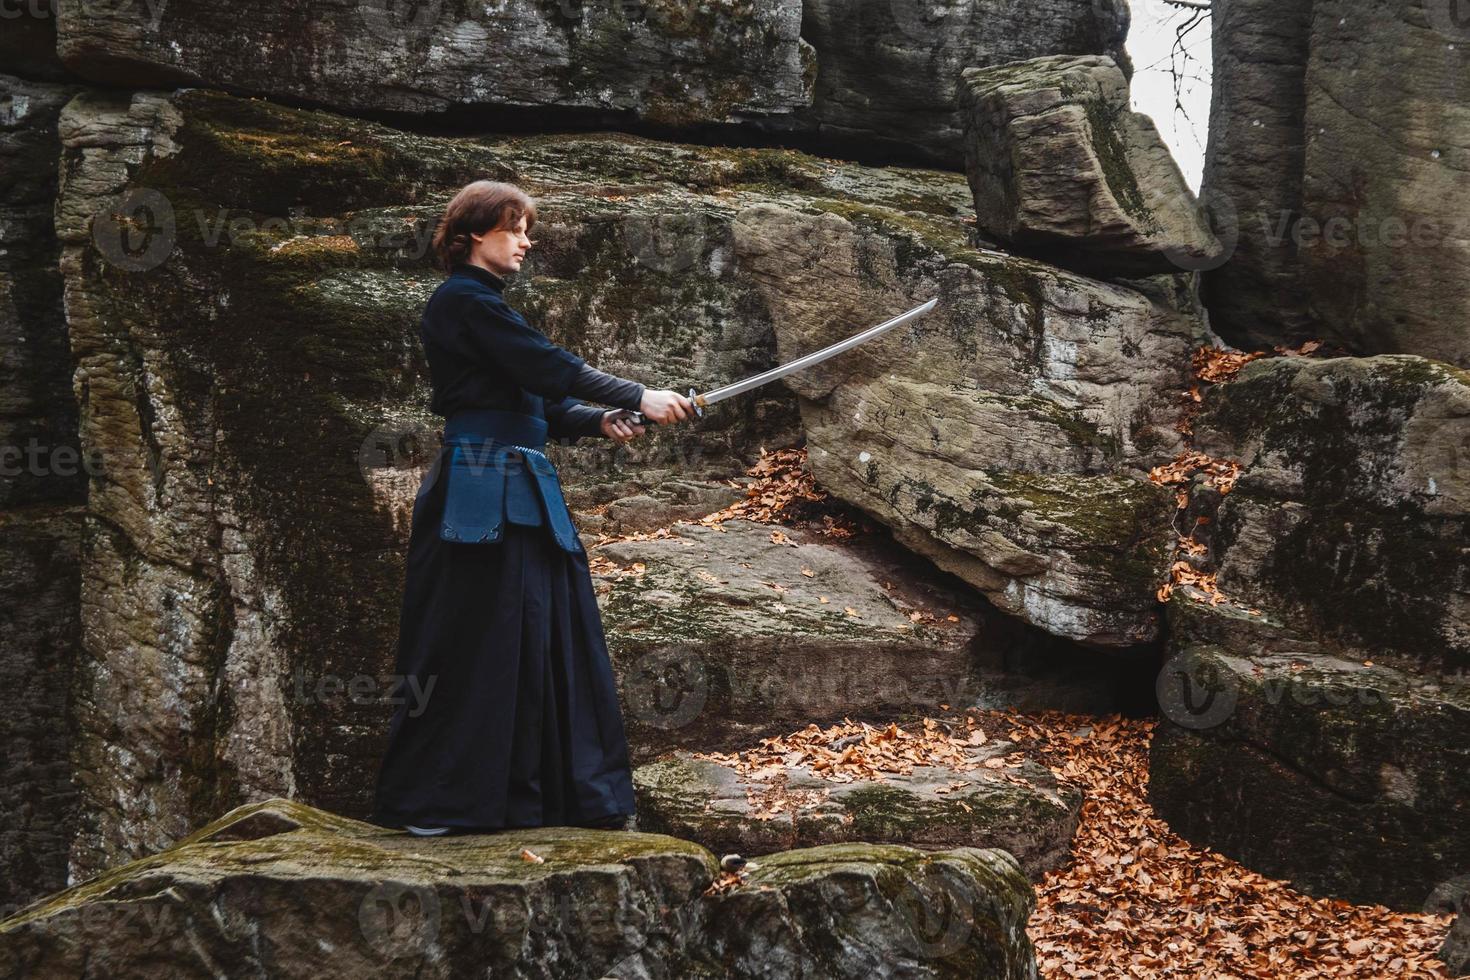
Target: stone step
<point>279,889</point>
<point>1019,807</point>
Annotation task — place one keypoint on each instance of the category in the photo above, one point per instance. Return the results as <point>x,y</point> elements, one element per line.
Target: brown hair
<point>485,205</point>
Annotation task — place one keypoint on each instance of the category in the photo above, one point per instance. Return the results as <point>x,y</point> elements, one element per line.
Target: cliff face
<point>1336,151</point>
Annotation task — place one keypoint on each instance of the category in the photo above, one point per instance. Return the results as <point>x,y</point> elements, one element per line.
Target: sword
<point>765,377</point>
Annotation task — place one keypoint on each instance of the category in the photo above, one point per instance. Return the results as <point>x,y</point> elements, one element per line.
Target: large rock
<point>280,890</point>
<point>1252,185</point>
<point>870,77</point>
<point>43,484</point>
<point>1351,513</point>
<point>664,63</point>
<point>1345,235</point>
<point>1347,780</point>
<point>1326,737</point>
<point>1021,809</point>
<point>723,637</point>
<point>1007,434</point>
<point>887,70</point>
<point>1060,164</point>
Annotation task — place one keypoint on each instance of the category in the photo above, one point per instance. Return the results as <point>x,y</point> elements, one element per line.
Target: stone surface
<point>278,889</point>
<point>1351,515</point>
<point>43,486</point>
<point>660,62</point>
<point>1325,740</point>
<point>1252,183</point>
<point>1456,952</point>
<point>710,654</point>
<point>862,79</point>
<point>1022,810</point>
<point>1007,435</point>
<point>887,69</point>
<point>1061,165</point>
<point>1347,780</point>
<point>1345,235</point>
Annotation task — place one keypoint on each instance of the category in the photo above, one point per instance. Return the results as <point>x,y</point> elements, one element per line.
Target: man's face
<point>502,251</point>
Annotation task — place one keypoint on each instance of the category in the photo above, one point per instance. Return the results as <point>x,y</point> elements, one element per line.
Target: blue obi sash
<point>497,475</point>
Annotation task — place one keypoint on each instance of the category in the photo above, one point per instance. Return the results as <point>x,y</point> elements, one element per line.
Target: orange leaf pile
<point>1217,365</point>
<point>855,751</point>
<point>781,481</point>
<point>1137,901</point>
<point>1219,473</point>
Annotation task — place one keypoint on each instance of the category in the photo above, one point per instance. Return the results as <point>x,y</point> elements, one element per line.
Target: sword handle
<point>637,418</point>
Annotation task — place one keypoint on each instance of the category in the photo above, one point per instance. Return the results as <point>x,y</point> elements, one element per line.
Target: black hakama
<point>521,726</point>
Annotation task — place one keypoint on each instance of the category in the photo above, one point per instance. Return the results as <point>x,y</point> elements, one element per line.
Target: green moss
<point>1112,156</point>
<point>1370,565</point>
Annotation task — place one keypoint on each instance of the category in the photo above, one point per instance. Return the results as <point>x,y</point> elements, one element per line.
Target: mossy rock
<point>280,889</point>
<point>1021,809</point>
<point>1347,778</point>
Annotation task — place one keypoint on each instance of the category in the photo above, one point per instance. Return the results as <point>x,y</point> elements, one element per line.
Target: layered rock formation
<point>43,481</point>
<point>278,889</point>
<point>1325,741</point>
<point>888,70</point>
<point>1006,435</point>
<point>1342,168</point>
<point>871,77</point>
<point>664,62</point>
<point>1060,164</point>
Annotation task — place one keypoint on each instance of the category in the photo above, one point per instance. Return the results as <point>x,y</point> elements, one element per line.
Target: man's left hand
<point>616,427</point>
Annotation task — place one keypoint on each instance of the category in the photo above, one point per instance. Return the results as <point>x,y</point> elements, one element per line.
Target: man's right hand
<point>665,407</point>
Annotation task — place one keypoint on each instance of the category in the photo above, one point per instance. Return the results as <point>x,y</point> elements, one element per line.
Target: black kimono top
<point>483,354</point>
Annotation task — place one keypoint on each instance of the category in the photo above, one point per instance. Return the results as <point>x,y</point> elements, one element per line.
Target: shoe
<point>425,831</point>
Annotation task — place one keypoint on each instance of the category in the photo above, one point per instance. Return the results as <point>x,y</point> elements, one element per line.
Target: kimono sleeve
<point>503,338</point>
<point>571,418</point>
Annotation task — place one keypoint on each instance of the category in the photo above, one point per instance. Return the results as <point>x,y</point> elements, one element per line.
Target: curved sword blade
<point>816,357</point>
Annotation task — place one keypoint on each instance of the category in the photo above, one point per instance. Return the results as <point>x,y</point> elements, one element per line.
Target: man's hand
<point>617,428</point>
<point>665,407</point>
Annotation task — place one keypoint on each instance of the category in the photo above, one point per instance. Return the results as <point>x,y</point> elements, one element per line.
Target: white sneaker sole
<point>425,831</point>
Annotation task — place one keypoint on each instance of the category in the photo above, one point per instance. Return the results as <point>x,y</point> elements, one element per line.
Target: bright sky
<point>1150,38</point>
